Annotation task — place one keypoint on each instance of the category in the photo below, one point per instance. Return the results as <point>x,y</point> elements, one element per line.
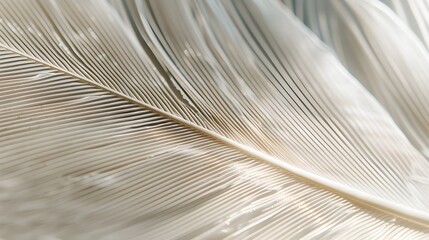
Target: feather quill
<point>201,125</point>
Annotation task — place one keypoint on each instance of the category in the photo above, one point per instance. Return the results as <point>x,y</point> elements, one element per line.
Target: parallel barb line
<point>409,214</point>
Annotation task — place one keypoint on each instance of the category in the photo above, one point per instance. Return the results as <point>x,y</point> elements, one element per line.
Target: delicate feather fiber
<point>193,119</point>
<point>391,63</point>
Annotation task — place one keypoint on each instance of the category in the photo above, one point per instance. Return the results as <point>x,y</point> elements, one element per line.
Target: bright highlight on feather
<point>392,64</point>
<point>156,119</point>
